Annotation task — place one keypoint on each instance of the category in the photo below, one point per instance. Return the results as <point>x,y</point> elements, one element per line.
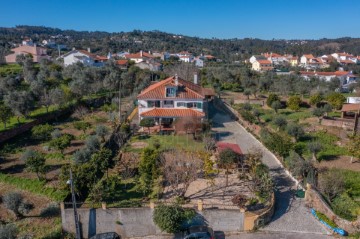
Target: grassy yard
<point>34,186</point>
<point>36,113</point>
<point>182,142</point>
<point>9,69</point>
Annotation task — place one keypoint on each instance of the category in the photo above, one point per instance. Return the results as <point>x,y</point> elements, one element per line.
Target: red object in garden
<point>234,147</point>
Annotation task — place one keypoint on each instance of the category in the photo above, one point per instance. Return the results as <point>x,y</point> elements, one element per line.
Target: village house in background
<point>84,57</point>
<point>27,48</point>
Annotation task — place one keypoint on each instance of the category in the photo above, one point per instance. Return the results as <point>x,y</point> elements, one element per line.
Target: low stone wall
<point>315,200</point>
<point>346,124</point>
<point>138,222</point>
<point>253,220</point>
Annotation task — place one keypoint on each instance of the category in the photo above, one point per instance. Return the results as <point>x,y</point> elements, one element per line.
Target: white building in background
<point>84,57</point>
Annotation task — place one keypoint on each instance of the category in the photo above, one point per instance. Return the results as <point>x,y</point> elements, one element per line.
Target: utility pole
<point>77,226</point>
<point>119,101</point>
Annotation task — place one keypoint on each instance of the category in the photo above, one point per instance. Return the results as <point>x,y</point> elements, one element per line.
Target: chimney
<point>141,53</point>
<point>73,48</point>
<point>195,78</point>
<point>176,80</point>
<point>89,50</point>
<point>149,52</point>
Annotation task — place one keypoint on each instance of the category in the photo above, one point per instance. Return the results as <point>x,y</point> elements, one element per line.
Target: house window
<point>152,103</point>
<point>168,102</point>
<point>199,105</point>
<point>170,92</point>
<point>181,104</point>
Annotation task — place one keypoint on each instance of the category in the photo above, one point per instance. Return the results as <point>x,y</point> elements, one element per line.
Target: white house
<point>139,57</point>
<point>85,57</point>
<point>256,57</point>
<point>173,98</point>
<point>345,77</point>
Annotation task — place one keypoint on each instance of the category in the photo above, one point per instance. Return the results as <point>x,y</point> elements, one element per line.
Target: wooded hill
<point>226,49</point>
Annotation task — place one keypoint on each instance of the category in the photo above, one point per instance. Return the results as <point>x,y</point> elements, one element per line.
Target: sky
<point>224,19</point>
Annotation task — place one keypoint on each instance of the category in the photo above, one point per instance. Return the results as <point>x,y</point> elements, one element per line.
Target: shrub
<point>52,210</point>
<point>102,131</point>
<point>314,148</point>
<point>276,105</point>
<point>209,143</point>
<point>42,132</point>
<point>345,207</point>
<point>336,100</point>
<point>171,218</point>
<point>295,131</point>
<point>8,231</point>
<point>62,142</point>
<point>324,218</point>
<point>294,103</point>
<point>15,203</point>
<point>81,125</point>
<point>34,162</point>
<point>92,143</point>
<point>56,134</point>
<point>278,143</point>
<point>316,99</point>
<point>279,121</point>
<point>239,200</point>
<point>81,156</point>
<point>147,122</point>
<point>272,98</point>
<point>125,128</point>
<point>246,107</point>
<point>247,115</point>
<point>331,184</point>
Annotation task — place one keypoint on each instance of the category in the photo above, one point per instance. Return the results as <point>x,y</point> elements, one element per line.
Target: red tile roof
<point>350,107</point>
<point>234,147</point>
<point>264,62</point>
<point>93,56</point>
<point>309,56</point>
<point>122,62</point>
<point>186,90</point>
<point>138,55</point>
<point>336,73</point>
<point>172,112</point>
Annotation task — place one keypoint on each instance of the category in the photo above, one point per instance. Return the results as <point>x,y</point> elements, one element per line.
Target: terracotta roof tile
<point>138,55</point>
<point>122,62</point>
<point>264,62</point>
<point>350,107</point>
<point>172,112</point>
<point>186,90</point>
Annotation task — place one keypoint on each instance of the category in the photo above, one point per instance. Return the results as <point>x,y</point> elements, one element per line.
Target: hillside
<point>227,49</point>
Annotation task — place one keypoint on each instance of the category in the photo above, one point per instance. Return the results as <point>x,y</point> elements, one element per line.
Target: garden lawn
<point>34,186</point>
<point>10,69</point>
<point>182,142</point>
<point>36,113</point>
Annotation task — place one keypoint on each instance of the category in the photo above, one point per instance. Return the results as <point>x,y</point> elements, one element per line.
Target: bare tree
<point>180,169</point>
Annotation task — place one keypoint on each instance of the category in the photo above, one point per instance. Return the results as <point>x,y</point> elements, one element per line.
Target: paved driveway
<point>291,215</point>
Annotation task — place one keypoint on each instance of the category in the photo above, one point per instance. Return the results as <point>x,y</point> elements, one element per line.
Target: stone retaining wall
<point>315,200</point>
<point>138,222</point>
<point>346,124</point>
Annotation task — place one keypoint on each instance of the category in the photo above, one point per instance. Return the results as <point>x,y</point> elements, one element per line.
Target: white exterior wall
<point>303,60</point>
<point>252,59</point>
<point>71,59</point>
<point>137,60</point>
<point>143,107</point>
<point>353,100</point>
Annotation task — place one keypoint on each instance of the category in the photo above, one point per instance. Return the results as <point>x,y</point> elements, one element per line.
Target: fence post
<point>152,205</point>
<point>103,205</point>
<point>200,205</point>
